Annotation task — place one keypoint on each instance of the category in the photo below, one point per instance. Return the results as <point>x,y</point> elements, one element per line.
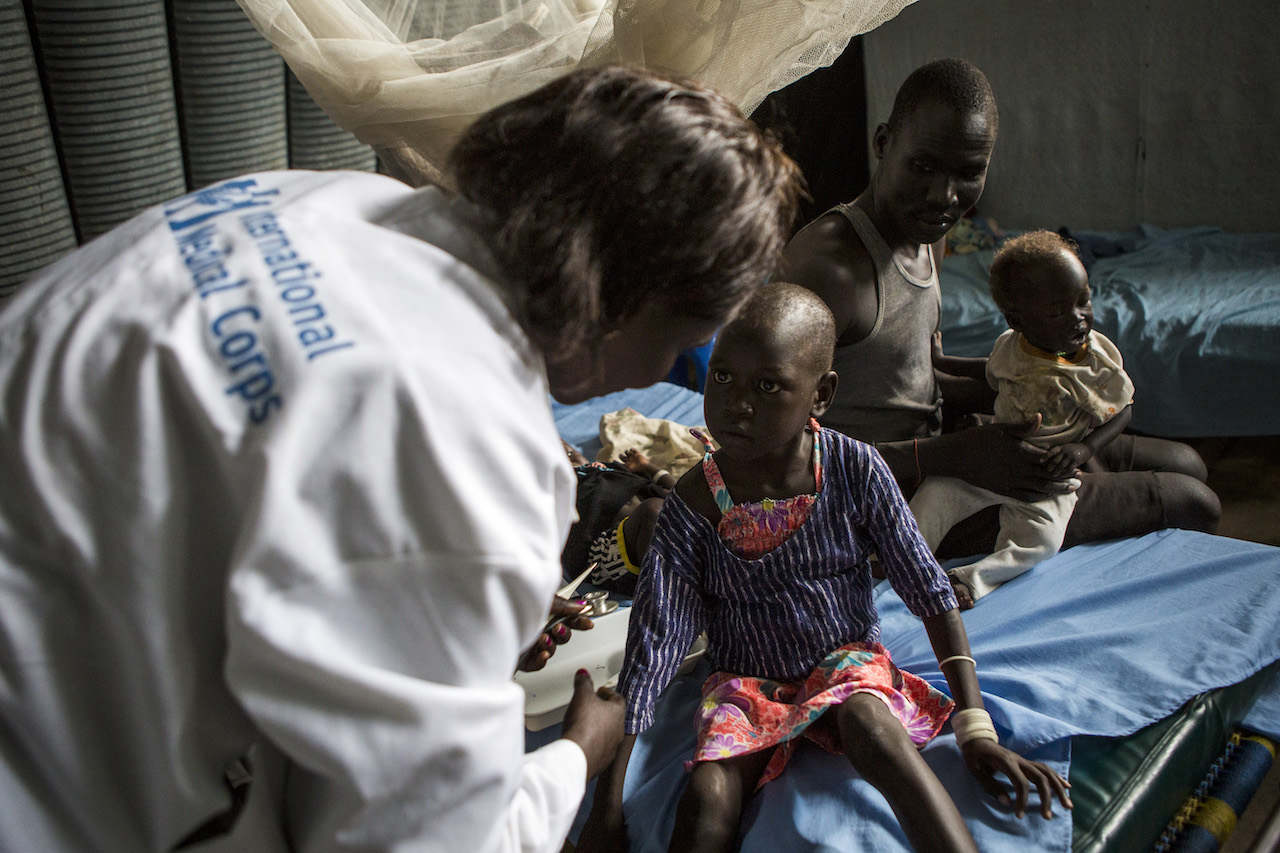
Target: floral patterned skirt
<point>740,714</point>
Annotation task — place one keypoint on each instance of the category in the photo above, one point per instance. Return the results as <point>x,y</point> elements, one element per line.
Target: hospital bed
<point>1195,313</point>
<point>1125,665</point>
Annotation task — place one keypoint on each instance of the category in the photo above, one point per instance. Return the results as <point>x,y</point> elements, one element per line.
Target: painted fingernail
<point>582,672</point>
<point>580,602</point>
<point>561,631</point>
<point>547,642</point>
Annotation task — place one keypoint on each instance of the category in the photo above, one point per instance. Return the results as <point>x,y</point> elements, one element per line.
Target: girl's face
<point>760,394</point>
<point>637,354</point>
<point>1055,311</point>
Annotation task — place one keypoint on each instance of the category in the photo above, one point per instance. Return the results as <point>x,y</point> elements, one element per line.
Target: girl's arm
<point>983,754</point>
<point>605,829</point>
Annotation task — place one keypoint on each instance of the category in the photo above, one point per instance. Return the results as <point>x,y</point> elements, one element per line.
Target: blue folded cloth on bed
<point>1264,717</point>
<point>1102,639</point>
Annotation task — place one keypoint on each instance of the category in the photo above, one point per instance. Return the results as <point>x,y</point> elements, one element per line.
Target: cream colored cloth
<point>667,444</point>
<point>409,76</point>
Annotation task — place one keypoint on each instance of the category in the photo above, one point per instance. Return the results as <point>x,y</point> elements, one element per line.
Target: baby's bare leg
<point>637,462</point>
<point>882,751</point>
<point>711,805</point>
<point>638,528</point>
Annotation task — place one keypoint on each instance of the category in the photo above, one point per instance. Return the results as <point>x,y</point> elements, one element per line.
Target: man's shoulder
<point>828,257</point>
<point>829,239</point>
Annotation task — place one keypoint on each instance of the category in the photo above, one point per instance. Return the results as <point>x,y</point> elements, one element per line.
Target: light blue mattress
<point>1195,313</point>
<point>1102,639</point>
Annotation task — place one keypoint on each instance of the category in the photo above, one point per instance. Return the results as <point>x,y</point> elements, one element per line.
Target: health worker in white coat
<point>283,499</point>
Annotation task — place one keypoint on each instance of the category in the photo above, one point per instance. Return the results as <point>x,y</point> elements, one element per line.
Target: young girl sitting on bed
<point>766,547</point>
<point>1049,365</point>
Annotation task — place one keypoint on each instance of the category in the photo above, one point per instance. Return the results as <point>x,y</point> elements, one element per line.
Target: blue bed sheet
<point>1102,639</point>
<point>1195,313</point>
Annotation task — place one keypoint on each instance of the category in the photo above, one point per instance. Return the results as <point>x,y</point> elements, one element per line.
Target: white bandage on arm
<point>973,724</point>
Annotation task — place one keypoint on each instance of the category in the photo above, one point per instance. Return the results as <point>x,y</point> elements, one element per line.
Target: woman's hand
<point>986,759</point>
<point>565,618</point>
<point>593,721</point>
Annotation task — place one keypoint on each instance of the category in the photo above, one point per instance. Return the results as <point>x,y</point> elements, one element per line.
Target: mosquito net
<point>408,76</point>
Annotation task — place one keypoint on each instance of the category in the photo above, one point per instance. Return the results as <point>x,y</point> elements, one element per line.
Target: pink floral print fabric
<point>740,714</point>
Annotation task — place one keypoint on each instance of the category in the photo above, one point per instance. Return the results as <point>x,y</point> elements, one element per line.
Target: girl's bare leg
<point>883,753</point>
<point>711,806</point>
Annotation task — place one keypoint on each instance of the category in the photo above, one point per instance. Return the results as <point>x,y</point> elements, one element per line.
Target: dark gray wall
<point>112,106</point>
<point>1112,112</point>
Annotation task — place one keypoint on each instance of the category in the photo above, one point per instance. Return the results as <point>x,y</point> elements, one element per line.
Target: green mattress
<point>1126,789</point>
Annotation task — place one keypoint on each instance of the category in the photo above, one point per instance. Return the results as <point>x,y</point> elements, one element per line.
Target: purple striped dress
<point>778,617</point>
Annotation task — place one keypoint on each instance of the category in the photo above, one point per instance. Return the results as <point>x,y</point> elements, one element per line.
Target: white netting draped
<point>408,76</point>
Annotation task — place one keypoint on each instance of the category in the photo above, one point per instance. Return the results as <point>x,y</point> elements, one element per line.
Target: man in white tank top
<point>875,260</point>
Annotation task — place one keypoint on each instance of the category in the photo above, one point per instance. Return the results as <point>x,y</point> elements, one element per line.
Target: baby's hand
<point>935,348</point>
<point>1063,460</point>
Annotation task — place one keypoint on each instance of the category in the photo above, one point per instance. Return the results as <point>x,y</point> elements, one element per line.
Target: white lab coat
<point>278,472</point>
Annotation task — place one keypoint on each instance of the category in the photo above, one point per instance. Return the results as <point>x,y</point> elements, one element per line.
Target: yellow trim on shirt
<point>622,551</point>
<point>1033,350</point>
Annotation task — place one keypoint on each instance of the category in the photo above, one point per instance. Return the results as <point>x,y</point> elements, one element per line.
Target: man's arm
<point>992,457</point>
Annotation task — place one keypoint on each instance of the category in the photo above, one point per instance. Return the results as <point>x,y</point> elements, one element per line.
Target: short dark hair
<point>797,310</point>
<point>615,188</point>
<point>1016,259</point>
<point>954,82</point>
